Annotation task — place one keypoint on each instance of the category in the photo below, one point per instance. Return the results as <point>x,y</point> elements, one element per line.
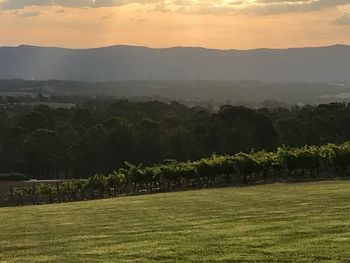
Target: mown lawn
<point>273,223</point>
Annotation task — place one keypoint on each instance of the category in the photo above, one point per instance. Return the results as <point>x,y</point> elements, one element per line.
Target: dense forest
<point>99,136</point>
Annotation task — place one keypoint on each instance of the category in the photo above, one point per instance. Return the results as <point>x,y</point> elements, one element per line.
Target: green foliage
<point>97,182</point>
<point>43,153</point>
<point>97,136</point>
<point>46,189</point>
<point>338,156</point>
<point>305,163</point>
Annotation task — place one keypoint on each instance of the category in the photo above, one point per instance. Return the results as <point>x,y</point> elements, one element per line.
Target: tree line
<point>307,163</point>
<point>98,136</point>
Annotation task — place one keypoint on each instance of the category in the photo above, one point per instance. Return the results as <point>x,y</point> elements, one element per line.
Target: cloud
<point>18,4</point>
<point>259,7</point>
<point>30,14</point>
<point>142,20</point>
<point>342,21</point>
<point>270,7</point>
<point>109,16</point>
<point>199,7</point>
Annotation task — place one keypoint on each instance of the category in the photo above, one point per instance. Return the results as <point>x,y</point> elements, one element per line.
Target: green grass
<point>273,223</point>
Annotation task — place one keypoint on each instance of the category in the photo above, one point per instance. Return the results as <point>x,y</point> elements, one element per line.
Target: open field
<point>271,223</point>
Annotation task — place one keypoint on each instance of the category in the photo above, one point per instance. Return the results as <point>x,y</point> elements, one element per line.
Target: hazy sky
<point>238,24</point>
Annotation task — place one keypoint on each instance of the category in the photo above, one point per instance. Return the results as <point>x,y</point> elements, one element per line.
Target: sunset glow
<point>214,24</point>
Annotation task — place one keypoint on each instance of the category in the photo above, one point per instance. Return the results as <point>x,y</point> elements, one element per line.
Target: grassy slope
<point>274,223</point>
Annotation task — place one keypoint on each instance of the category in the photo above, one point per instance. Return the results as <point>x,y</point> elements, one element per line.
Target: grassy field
<point>272,223</point>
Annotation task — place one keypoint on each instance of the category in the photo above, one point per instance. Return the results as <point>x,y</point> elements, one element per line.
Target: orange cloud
<point>136,24</point>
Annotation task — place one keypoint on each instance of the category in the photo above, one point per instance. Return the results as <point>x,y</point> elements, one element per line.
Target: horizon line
<point>170,47</point>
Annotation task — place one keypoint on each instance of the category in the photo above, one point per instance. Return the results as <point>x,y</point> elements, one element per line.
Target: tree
<point>44,155</point>
<point>33,121</point>
<point>91,154</point>
<point>121,140</point>
<point>247,129</point>
<point>68,134</point>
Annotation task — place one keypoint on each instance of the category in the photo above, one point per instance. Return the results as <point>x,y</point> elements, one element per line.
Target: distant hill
<point>321,64</point>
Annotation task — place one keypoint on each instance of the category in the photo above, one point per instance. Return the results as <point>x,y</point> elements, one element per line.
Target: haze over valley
<point>323,64</point>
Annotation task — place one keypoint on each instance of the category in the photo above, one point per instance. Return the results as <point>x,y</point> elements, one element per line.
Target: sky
<point>221,24</point>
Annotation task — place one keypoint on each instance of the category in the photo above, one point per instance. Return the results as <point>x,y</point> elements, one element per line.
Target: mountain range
<point>312,64</point>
